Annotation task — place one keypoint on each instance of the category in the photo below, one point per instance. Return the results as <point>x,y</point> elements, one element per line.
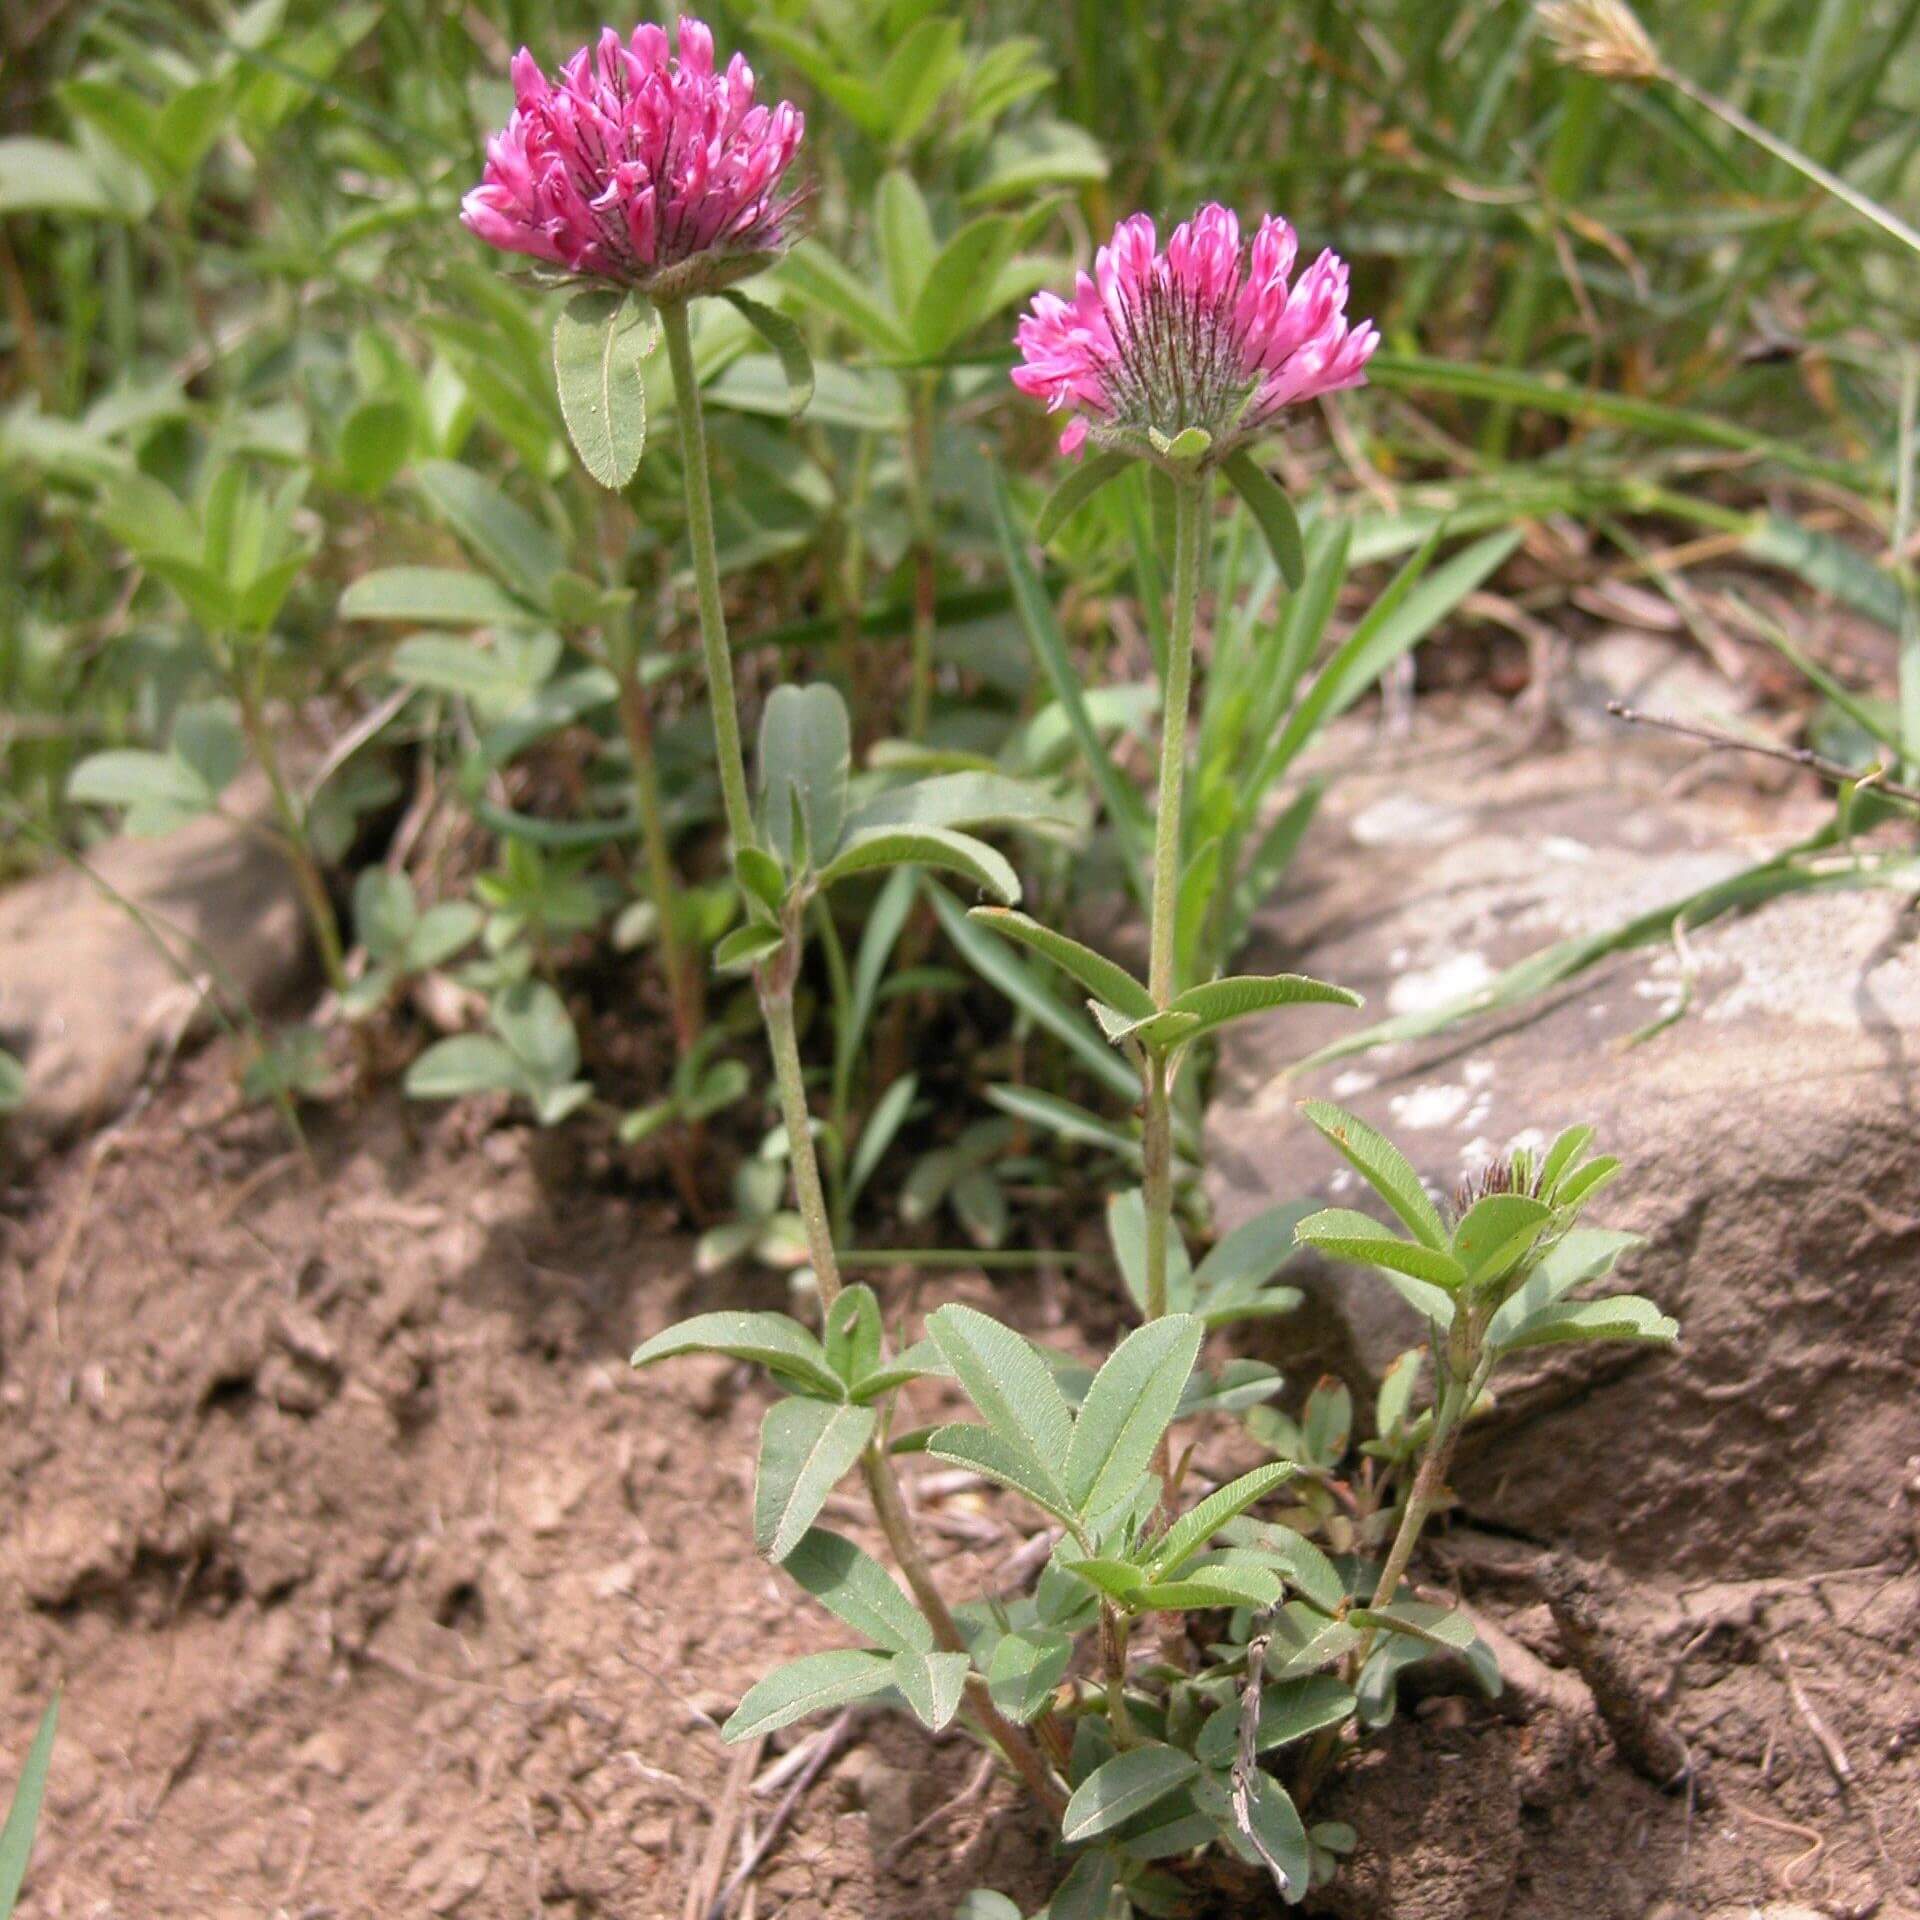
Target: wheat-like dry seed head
<point>1601,36</point>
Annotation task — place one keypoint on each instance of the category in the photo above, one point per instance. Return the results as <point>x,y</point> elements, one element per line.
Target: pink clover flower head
<point>640,168</point>
<point>1209,333</point>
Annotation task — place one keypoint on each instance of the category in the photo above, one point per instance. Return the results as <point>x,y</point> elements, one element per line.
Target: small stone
<point>325,1752</point>
<point>70,1548</point>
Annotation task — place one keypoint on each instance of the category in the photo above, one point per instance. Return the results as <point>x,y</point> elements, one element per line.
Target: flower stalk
<point>1190,507</point>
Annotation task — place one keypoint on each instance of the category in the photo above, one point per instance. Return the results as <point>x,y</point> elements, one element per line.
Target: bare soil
<point>377,1584</point>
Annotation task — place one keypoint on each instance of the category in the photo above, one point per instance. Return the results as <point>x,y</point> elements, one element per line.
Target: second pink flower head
<point>638,168</point>
<point>1209,334</point>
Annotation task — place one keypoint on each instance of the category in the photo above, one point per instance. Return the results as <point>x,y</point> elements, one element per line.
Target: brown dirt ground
<point>378,1585</point>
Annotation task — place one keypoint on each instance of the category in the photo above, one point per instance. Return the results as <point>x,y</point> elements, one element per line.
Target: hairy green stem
<point>891,1510</point>
<point>1190,505</point>
<point>776,1006</point>
<point>919,452</point>
<point>774,980</point>
<point>706,576</point>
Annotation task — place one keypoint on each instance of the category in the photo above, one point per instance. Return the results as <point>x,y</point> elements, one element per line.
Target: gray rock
<point>1767,1131</point>
<point>87,994</point>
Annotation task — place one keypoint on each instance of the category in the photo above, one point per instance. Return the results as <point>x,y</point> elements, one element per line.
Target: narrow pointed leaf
<point>23,1815</point>
<point>1218,1003</point>
<point>806,1446</point>
<point>1105,979</point>
<point>772,1340</point>
<point>1586,1253</point>
<point>1127,1784</point>
<point>1001,1460</point>
<point>1007,1380</point>
<point>1273,513</point>
<point>1289,1711</point>
<point>1626,1316</point>
<point>931,1684</point>
<point>1073,493</point>
<point>789,346</point>
<point>854,1587</point>
<point>1497,1231</point>
<point>1385,1168</point>
<point>937,847</point>
<point>1221,1584</point>
<point>1359,1237</point>
<point>1128,1408</point>
<point>809,1685</point>
<point>1194,1528</point>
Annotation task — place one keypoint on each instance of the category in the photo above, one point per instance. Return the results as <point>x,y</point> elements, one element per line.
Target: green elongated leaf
<point>1412,606</point>
<point>1062,1117</point>
<point>931,1684</point>
<point>1007,1380</point>
<point>991,960</point>
<point>789,346</point>
<point>1063,680</point>
<point>208,737</point>
<point>1347,1235</point>
<point>883,1123</point>
<point>41,176</point>
<point>760,877</point>
<point>771,1340</point>
<point>818,277</point>
<point>1025,1669</point>
<point>745,947</point>
<point>1117,1579</point>
<point>805,753</point>
<point>852,1336</point>
<point>374,445</point>
<point>1289,1711</point>
<point>1087,1891</point>
<point>1127,1409</point>
<point>1383,1166</point>
<point>960,281</point>
<point>23,1815</point>
<point>1579,1186</point>
<point>1586,1253</point>
<point>1249,1257</point>
<point>917,72</point>
<point>1105,979</point>
<point>906,236</point>
<point>1562,1154</point>
<point>1443,1627</point>
<point>1219,1003</point>
<point>131,777</point>
<point>1127,1784</point>
<point>805,1448</point>
<point>1127,1234</point>
<point>466,1063</point>
<point>1002,1460</point>
<point>1073,493</point>
<point>1273,1826</point>
<point>1305,1641</point>
<point>1272,512</point>
<point>13,1083</point>
<point>1194,1528</point>
<point>1497,1230</point>
<point>921,1361</point>
<point>965,800</point>
<point>435,596</point>
<point>600,344</point>
<point>1625,1316</point>
<point>496,532</point>
<point>937,847</point>
<point>854,1587</point>
<point>808,1685</point>
<point>1211,1584</point>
